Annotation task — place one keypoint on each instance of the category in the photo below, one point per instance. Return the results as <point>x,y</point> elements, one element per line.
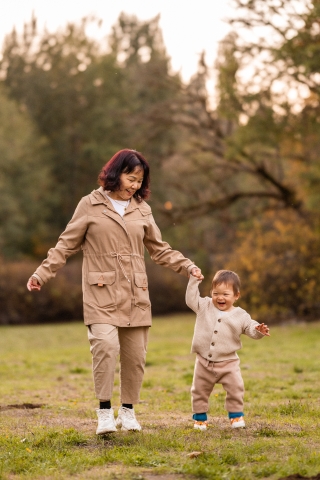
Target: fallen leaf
<point>194,454</point>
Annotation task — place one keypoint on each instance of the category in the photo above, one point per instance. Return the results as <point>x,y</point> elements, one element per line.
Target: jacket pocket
<point>141,292</point>
<point>100,289</point>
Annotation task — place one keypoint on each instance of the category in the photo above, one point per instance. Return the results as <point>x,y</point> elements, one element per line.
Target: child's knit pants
<point>207,374</point>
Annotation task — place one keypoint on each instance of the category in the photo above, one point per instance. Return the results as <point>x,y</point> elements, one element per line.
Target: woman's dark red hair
<point>125,161</point>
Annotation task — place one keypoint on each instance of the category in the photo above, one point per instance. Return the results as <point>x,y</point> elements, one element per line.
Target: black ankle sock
<point>127,405</point>
<point>105,405</point>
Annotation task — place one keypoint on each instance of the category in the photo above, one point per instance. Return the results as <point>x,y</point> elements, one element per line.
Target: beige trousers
<point>207,374</point>
<point>106,342</point>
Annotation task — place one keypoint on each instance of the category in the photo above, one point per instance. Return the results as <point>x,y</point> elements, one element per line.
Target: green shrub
<point>61,298</point>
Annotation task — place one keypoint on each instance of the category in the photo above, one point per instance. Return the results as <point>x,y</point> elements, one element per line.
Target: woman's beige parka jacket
<point>114,280</point>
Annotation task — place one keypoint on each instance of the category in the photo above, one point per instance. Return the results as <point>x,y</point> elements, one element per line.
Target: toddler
<point>216,340</point>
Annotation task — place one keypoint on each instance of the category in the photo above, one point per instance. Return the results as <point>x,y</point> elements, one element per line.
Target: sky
<point>188,26</point>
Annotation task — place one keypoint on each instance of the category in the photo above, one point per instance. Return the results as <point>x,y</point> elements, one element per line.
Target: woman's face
<point>129,184</point>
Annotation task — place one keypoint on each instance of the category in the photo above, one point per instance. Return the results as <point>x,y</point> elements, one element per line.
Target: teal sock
<point>199,417</point>
<point>235,414</point>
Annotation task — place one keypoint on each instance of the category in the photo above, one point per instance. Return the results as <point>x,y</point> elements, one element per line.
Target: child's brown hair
<point>229,278</point>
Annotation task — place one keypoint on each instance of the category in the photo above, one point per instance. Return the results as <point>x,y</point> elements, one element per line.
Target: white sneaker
<point>127,419</point>
<point>237,422</point>
<point>200,425</point>
<point>106,422</point>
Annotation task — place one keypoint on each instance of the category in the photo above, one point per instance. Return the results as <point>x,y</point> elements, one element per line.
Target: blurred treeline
<point>235,172</point>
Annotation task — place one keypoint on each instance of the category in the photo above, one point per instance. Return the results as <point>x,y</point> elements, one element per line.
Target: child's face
<point>223,297</point>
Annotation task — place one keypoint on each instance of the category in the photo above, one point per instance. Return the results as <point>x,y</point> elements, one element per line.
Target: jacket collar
<point>98,197</point>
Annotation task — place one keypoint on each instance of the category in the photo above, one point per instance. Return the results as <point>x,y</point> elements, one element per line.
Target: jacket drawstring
<point>119,258</point>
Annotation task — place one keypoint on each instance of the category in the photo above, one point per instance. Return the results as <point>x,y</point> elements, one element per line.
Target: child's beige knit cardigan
<point>217,337</point>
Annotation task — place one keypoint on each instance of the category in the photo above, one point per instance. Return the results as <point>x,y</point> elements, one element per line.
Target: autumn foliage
<point>279,264</point>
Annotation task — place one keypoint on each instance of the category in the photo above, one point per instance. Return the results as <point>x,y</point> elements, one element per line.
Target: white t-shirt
<point>119,205</point>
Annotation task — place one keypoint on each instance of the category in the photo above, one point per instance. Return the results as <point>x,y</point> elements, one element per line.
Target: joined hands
<point>33,284</point>
<point>196,272</point>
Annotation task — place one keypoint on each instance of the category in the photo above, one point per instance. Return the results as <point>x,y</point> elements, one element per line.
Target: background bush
<point>279,264</point>
<point>61,298</point>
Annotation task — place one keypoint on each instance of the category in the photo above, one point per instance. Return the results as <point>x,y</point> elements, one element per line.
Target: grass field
<point>50,366</point>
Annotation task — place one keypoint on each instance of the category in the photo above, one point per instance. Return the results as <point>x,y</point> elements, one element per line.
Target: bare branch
<point>209,207</point>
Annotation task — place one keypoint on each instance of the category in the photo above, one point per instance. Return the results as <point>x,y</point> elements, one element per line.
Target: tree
<point>253,158</point>
<point>154,92</point>
<point>72,93</point>
<point>249,144</point>
<point>89,102</point>
<point>24,184</point>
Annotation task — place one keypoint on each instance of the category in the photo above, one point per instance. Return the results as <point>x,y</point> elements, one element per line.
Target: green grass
<point>51,366</point>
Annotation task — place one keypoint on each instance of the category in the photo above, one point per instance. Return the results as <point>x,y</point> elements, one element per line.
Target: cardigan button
<point>216,331</point>
<point>210,355</point>
<point>128,323</point>
<point>212,343</point>
<point>219,320</point>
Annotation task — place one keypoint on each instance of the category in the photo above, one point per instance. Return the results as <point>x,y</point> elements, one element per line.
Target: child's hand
<point>262,328</point>
<point>196,272</point>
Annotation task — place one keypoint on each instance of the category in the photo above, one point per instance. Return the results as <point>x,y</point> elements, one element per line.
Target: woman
<point>112,225</point>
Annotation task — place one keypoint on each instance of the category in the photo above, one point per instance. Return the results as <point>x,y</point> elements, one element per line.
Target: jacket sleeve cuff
<point>35,275</point>
<point>191,267</point>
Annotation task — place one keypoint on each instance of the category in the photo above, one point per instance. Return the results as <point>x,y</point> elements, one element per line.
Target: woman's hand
<point>196,272</point>
<point>33,284</point>
<point>264,329</point>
